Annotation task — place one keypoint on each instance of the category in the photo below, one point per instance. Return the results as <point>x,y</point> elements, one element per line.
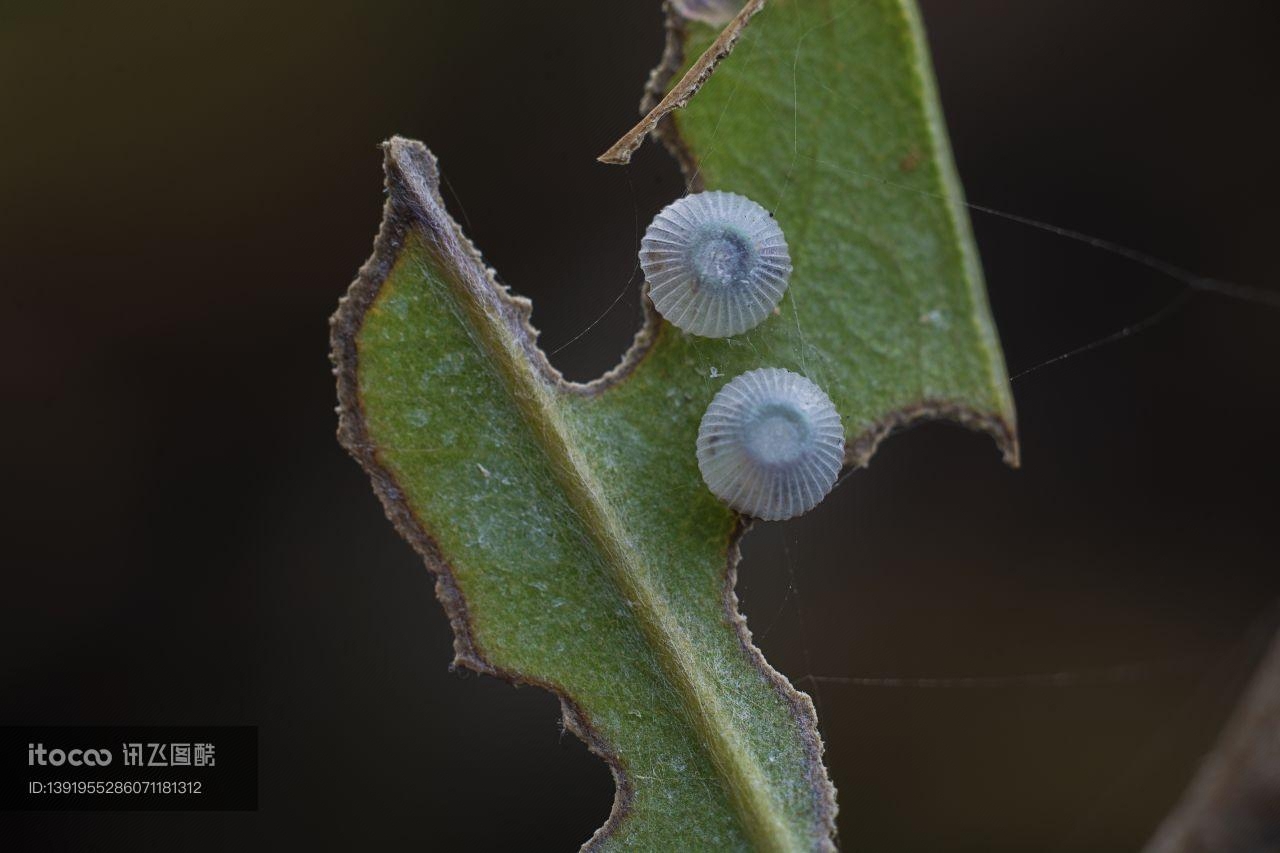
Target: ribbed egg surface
<point>716,262</point>
<point>770,444</point>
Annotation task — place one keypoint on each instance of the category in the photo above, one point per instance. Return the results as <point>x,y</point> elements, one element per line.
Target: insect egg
<point>716,262</point>
<point>770,444</point>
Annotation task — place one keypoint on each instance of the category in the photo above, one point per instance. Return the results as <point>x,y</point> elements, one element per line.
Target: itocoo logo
<point>37,754</point>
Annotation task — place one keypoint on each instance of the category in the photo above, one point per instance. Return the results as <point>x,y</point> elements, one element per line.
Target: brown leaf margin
<point>414,202</point>
<point>406,208</point>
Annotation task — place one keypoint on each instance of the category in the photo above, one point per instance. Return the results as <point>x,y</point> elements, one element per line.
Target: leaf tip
<point>680,95</point>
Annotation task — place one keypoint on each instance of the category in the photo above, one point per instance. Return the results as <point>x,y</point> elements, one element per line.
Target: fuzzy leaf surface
<point>574,544</point>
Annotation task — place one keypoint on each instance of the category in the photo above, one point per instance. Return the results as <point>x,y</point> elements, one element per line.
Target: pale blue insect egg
<point>716,262</point>
<point>770,444</point>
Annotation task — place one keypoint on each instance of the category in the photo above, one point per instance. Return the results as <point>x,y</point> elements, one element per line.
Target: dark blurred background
<point>187,189</point>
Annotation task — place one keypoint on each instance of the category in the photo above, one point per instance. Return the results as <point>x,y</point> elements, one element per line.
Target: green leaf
<point>574,544</point>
